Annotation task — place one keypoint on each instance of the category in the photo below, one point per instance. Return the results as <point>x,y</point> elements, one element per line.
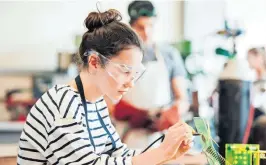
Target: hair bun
<point>96,19</point>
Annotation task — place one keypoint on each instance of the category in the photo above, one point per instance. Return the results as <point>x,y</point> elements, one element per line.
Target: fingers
<point>188,142</point>
<point>178,138</point>
<point>190,145</point>
<point>193,131</point>
<point>187,146</point>
<point>181,132</point>
<point>178,124</point>
<point>188,133</point>
<point>181,123</point>
<point>182,126</point>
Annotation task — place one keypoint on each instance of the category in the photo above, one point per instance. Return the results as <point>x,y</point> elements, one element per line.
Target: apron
<point>152,91</point>
<point>84,103</point>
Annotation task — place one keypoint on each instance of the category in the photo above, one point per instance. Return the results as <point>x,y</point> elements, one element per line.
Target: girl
<point>257,61</point>
<point>70,124</point>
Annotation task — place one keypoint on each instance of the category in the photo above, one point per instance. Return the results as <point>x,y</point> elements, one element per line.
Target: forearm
<point>180,95</point>
<point>182,106</point>
<point>180,92</point>
<point>151,157</point>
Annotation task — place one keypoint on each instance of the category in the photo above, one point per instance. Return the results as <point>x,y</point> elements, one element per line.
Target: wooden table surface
<point>8,154</point>
<point>8,150</point>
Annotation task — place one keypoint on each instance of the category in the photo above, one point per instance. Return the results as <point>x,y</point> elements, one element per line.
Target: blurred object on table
<point>9,82</point>
<point>10,132</point>
<point>18,103</point>
<point>41,83</point>
<point>64,61</point>
<point>8,154</point>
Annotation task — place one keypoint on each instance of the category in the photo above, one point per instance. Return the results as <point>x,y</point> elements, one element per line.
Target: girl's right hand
<point>178,134</point>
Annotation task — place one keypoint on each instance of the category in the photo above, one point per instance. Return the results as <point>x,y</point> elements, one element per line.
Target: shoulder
<point>168,51</point>
<point>61,93</point>
<point>173,59</point>
<point>61,100</point>
<point>65,91</point>
<point>68,101</point>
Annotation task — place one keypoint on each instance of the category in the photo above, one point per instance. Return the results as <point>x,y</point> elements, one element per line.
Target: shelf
<point>11,126</point>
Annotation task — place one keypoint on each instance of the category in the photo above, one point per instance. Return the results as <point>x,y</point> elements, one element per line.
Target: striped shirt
<point>56,132</point>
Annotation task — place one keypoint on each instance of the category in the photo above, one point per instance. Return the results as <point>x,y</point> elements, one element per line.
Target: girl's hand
<point>179,135</point>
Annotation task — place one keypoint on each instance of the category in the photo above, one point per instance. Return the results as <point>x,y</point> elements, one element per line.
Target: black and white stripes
<point>56,132</point>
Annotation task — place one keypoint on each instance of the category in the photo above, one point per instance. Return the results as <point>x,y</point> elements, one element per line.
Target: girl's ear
<point>93,61</point>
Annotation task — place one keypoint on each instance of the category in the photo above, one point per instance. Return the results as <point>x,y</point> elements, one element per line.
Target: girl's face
<point>255,61</point>
<point>119,73</point>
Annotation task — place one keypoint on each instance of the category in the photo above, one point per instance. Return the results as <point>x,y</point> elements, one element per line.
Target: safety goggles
<point>142,12</point>
<point>119,72</point>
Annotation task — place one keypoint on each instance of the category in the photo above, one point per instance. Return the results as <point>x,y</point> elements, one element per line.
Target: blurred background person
<point>257,61</point>
<point>159,98</point>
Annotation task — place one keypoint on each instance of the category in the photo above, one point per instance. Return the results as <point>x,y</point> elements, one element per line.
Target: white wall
<point>32,32</point>
<point>204,17</point>
<point>251,15</point>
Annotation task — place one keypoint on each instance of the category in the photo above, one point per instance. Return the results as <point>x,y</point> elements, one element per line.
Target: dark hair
<point>138,9</point>
<point>257,51</point>
<point>106,35</point>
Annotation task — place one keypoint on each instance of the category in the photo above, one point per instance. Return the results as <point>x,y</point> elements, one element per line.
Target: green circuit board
<point>242,154</point>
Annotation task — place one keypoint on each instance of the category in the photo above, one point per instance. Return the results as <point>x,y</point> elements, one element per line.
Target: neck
<point>149,42</point>
<point>91,89</point>
<point>261,72</point>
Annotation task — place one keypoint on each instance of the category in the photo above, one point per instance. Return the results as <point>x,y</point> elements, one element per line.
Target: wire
<point>160,138</point>
<point>249,124</point>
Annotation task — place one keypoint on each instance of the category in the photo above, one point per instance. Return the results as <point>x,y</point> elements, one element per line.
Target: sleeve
<point>124,151</point>
<point>177,63</point>
<point>121,149</point>
<point>67,145</point>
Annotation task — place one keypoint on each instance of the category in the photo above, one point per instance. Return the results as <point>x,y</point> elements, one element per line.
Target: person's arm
<point>177,135</point>
<point>68,144</point>
<point>178,81</point>
<point>179,87</point>
<point>151,157</point>
<point>180,105</point>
